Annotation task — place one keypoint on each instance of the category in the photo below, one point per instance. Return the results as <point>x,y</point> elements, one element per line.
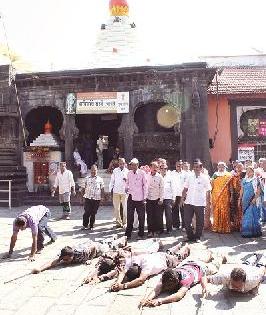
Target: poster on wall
<point>262,128</point>
<point>246,152</point>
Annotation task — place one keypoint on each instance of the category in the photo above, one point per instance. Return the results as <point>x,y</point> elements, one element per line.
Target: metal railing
<point>9,181</point>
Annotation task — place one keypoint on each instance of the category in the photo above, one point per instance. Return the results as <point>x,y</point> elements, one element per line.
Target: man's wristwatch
<point>125,286</point>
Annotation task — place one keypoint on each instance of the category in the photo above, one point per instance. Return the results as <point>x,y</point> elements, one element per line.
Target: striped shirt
<point>93,187</point>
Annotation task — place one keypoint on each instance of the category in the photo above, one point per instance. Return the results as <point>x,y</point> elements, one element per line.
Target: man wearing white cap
<point>137,189</point>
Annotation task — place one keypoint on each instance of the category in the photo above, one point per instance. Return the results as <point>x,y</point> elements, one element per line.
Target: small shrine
<point>46,139</point>
<point>42,159</point>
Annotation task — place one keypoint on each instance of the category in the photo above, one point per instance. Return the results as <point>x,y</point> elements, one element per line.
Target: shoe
<point>262,261</point>
<point>51,241</point>
<point>84,228</point>
<point>140,237</point>
<point>39,251</point>
<point>91,228</point>
<point>150,234</point>
<point>67,217</point>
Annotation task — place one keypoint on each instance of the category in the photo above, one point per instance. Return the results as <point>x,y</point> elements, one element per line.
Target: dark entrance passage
<point>38,117</point>
<point>90,128</point>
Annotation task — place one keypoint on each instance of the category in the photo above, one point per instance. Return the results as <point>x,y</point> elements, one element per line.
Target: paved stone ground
<point>51,292</point>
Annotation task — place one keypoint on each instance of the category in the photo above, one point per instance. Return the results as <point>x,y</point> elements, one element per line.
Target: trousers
<point>44,229</point>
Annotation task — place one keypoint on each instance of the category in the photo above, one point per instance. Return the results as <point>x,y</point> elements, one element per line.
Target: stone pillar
<point>203,127</point>
<point>194,127</point>
<point>186,132</point>
<point>126,135</point>
<point>69,133</point>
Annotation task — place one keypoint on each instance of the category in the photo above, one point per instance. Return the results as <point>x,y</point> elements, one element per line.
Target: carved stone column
<point>186,132</point>
<point>126,135</point>
<point>194,127</point>
<point>70,134</point>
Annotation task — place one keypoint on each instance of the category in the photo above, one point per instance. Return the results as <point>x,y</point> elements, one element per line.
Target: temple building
<point>146,111</point>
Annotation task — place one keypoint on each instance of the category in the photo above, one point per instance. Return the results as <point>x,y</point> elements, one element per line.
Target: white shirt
<point>178,182</point>
<point>197,189</point>
<point>118,180</point>
<point>150,264</point>
<point>64,181</point>
<point>169,185</point>
<point>93,187</point>
<point>254,276</point>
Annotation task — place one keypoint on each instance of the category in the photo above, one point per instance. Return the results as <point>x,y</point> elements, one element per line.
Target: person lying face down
<point>108,265</point>
<point>137,268</point>
<point>244,277</point>
<point>179,280</point>
<point>83,253</point>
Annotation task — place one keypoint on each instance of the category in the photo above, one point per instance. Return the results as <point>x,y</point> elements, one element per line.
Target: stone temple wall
<point>182,86</point>
<point>10,141</point>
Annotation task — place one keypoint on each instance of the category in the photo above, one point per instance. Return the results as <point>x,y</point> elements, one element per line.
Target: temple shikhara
<point>134,107</point>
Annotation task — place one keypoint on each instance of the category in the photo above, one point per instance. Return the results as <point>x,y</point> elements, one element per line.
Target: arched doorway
<point>36,119</point>
<point>90,128</point>
<point>158,132</point>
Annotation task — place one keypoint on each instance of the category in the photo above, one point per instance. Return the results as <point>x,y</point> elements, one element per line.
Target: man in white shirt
<point>196,196</point>
<point>168,196</point>
<point>138,268</point>
<point>65,182</point>
<point>154,201</point>
<point>179,179</point>
<point>94,190</point>
<point>117,187</point>
<point>244,277</point>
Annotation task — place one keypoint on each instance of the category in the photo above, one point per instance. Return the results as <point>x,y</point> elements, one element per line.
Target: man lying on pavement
<point>180,279</point>
<point>83,253</point>
<point>244,277</point>
<point>136,269</point>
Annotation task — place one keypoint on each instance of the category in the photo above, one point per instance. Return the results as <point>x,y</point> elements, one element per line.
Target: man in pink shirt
<point>137,189</point>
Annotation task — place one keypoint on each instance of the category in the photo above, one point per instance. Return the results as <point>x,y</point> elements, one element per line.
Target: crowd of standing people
<point>231,200</point>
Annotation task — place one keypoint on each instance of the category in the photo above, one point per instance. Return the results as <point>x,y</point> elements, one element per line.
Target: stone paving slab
<point>52,292</point>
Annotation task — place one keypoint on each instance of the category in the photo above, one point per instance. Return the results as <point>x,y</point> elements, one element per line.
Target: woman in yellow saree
<point>221,183</point>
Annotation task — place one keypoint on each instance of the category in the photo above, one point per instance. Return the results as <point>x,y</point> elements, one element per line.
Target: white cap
<point>134,161</point>
<point>222,163</point>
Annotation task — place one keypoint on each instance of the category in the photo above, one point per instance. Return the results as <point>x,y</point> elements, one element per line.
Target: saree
<point>221,203</point>
<point>263,208</point>
<point>251,222</point>
<point>236,209</point>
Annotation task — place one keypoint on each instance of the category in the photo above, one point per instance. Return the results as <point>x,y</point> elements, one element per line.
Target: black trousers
<point>189,212</point>
<point>91,207</point>
<point>167,211</point>
<point>154,216</point>
<point>139,206</point>
<point>178,210</point>
<point>44,229</point>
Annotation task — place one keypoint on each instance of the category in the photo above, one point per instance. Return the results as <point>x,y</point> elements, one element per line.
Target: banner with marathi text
<point>102,102</point>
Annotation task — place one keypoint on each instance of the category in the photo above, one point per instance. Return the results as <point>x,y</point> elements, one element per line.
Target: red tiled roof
<point>240,80</point>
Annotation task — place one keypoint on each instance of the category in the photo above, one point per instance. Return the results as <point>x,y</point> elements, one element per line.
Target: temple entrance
<point>91,127</point>
<point>36,119</point>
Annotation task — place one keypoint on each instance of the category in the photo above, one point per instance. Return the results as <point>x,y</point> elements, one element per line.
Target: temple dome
<point>118,7</point>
